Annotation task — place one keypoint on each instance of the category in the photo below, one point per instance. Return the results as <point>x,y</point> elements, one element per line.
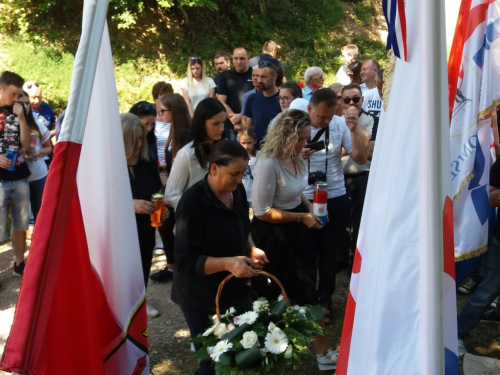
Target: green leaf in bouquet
<point>288,352</point>
<point>225,359</point>
<point>198,339</point>
<point>247,357</point>
<point>278,308</point>
<point>267,363</point>
<point>230,336</point>
<point>202,354</point>
<point>315,312</point>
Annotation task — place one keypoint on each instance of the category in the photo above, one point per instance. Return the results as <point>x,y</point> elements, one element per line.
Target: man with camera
<point>329,135</point>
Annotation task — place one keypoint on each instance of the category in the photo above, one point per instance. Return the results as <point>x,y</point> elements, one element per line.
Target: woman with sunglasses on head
<point>196,86</point>
<point>40,146</point>
<point>147,113</point>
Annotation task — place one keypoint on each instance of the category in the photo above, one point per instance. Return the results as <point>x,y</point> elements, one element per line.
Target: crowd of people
<point>237,159</point>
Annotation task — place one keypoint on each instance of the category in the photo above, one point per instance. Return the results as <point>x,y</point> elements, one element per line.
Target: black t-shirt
<point>205,227</point>
<point>10,134</point>
<point>234,85</point>
<point>495,182</point>
<point>262,109</point>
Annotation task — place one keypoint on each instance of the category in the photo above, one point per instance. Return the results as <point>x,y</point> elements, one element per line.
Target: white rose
<point>220,330</point>
<point>249,340</point>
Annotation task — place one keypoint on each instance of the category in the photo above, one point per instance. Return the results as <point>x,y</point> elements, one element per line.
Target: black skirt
<point>290,260</point>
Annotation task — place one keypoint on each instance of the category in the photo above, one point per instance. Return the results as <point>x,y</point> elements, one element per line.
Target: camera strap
<point>327,142</point>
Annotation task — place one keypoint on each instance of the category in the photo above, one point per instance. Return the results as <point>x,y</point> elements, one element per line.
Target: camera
<point>315,177</point>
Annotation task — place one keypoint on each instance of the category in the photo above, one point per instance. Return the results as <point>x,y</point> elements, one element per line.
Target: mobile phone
<point>316,146</point>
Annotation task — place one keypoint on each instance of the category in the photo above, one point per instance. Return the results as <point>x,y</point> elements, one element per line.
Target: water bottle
<point>320,199</point>
<point>12,154</point>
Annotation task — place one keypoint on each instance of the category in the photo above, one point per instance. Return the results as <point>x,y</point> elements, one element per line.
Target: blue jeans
<point>18,193</point>
<point>485,293</point>
<point>36,193</point>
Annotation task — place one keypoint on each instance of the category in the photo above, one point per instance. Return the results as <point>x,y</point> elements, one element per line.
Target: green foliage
<point>364,12</point>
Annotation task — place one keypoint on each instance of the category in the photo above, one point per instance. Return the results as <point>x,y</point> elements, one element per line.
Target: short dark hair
<point>328,96</point>
<point>380,74</point>
<point>222,54</point>
<point>143,109</point>
<point>9,78</point>
<point>355,67</point>
<point>161,88</point>
<point>223,152</point>
<point>206,109</point>
<point>352,86</point>
<point>294,88</point>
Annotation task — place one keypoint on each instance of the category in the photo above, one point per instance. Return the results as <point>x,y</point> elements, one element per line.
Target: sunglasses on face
<point>355,100</point>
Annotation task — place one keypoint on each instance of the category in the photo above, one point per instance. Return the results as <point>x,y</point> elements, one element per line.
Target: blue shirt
<point>262,110</point>
<point>307,92</point>
<point>45,115</point>
<point>245,98</point>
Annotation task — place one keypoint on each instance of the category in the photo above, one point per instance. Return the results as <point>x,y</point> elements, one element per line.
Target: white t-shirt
<point>248,178</point>
<point>38,168</point>
<point>186,171</point>
<point>162,131</point>
<point>340,136</point>
<point>349,165</point>
<point>198,93</point>
<point>372,102</point>
<point>342,76</point>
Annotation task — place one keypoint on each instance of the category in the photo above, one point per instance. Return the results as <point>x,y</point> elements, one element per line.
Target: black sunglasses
<point>30,85</point>
<point>355,100</point>
<point>266,64</point>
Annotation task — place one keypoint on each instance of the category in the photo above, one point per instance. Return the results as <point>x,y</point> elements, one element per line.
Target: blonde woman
<point>282,214</point>
<point>196,86</point>
<point>144,182</point>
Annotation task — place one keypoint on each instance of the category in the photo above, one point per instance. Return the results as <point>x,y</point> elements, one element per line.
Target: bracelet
<point>298,217</point>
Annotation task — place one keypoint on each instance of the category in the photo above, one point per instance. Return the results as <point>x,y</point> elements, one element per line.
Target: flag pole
<point>84,68</point>
<point>434,120</point>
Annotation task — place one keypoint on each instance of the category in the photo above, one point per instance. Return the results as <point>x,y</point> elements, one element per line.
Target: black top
<point>152,148</point>
<point>495,182</point>
<point>144,183</point>
<point>206,227</point>
<point>234,85</point>
<point>217,81</point>
<point>10,134</point>
<point>186,137</point>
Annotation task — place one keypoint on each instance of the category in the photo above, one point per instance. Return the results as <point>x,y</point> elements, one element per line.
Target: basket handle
<point>221,286</point>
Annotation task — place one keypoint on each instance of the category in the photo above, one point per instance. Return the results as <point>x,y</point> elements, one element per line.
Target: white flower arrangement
<point>265,339</point>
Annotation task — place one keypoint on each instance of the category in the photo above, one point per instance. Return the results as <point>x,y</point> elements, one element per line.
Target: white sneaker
<point>461,348</point>
<point>159,248</point>
<point>328,361</point>
<point>151,311</point>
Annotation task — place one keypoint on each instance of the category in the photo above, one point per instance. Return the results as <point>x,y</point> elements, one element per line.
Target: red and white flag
<point>81,307</point>
<point>401,310</point>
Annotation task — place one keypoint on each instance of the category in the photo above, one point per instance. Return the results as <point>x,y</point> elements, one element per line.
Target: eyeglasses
<point>30,85</point>
<point>355,100</point>
<point>284,99</point>
<point>162,111</point>
<point>266,64</point>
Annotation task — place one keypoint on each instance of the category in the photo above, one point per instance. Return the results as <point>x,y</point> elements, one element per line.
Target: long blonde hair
<point>130,122</point>
<point>281,138</point>
<point>204,78</point>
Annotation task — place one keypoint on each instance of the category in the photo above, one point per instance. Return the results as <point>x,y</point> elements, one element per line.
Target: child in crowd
<point>248,139</point>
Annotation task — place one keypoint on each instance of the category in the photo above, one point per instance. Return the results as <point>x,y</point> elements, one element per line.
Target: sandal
<point>327,315</point>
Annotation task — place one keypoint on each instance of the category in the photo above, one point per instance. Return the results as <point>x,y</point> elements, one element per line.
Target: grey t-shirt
<point>274,186</point>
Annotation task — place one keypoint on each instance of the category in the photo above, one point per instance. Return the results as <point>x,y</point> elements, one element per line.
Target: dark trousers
<point>331,245</point>
<point>356,189</point>
<point>198,322</point>
<point>167,235</point>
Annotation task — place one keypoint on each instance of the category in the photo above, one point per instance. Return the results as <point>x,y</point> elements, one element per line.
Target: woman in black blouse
<point>147,113</point>
<point>144,181</point>
<point>213,239</point>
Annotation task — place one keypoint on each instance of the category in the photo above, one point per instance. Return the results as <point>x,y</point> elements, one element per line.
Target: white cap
<point>299,103</point>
